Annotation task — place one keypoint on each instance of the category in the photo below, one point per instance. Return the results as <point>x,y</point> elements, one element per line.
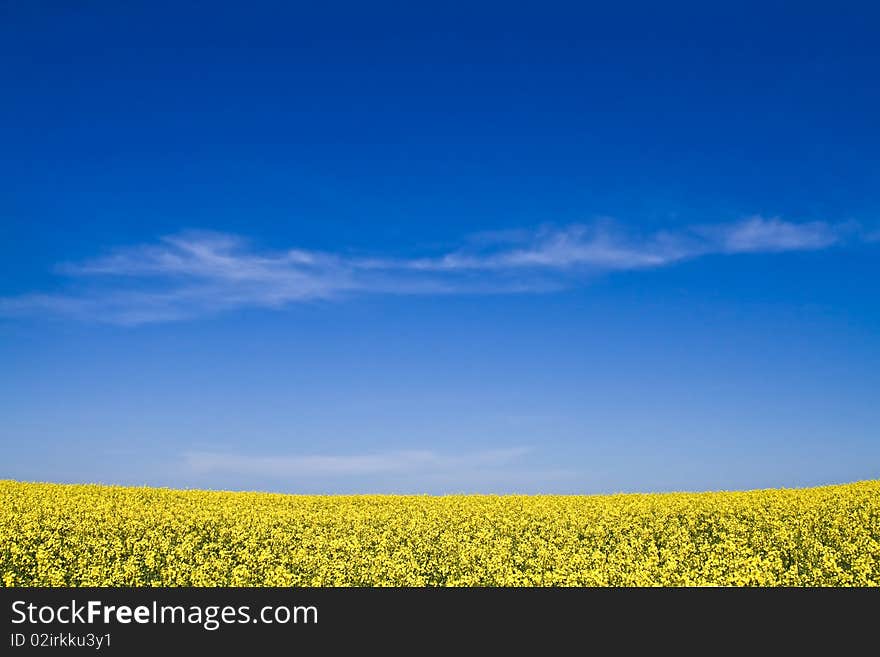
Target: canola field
<point>90,535</point>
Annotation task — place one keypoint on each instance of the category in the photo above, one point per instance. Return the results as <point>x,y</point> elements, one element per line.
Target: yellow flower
<point>66,535</point>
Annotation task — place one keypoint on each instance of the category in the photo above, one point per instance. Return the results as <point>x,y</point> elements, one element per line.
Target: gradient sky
<point>440,248</point>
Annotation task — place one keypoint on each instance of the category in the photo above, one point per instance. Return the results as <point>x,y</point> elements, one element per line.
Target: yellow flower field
<point>89,535</point>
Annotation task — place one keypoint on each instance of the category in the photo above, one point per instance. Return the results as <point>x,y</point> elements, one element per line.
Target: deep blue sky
<point>404,247</point>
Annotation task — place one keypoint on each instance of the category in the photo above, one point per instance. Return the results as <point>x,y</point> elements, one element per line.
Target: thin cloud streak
<point>195,274</point>
<point>385,463</point>
<point>758,235</point>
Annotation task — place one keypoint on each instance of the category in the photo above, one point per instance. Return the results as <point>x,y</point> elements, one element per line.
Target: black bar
<point>383,618</point>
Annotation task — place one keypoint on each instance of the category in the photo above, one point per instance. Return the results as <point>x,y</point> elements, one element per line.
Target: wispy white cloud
<point>194,274</point>
<point>499,470</point>
<point>603,247</point>
<point>598,246</point>
<point>757,235</point>
<point>316,465</point>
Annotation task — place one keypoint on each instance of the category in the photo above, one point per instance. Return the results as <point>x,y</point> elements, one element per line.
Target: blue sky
<point>439,248</point>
